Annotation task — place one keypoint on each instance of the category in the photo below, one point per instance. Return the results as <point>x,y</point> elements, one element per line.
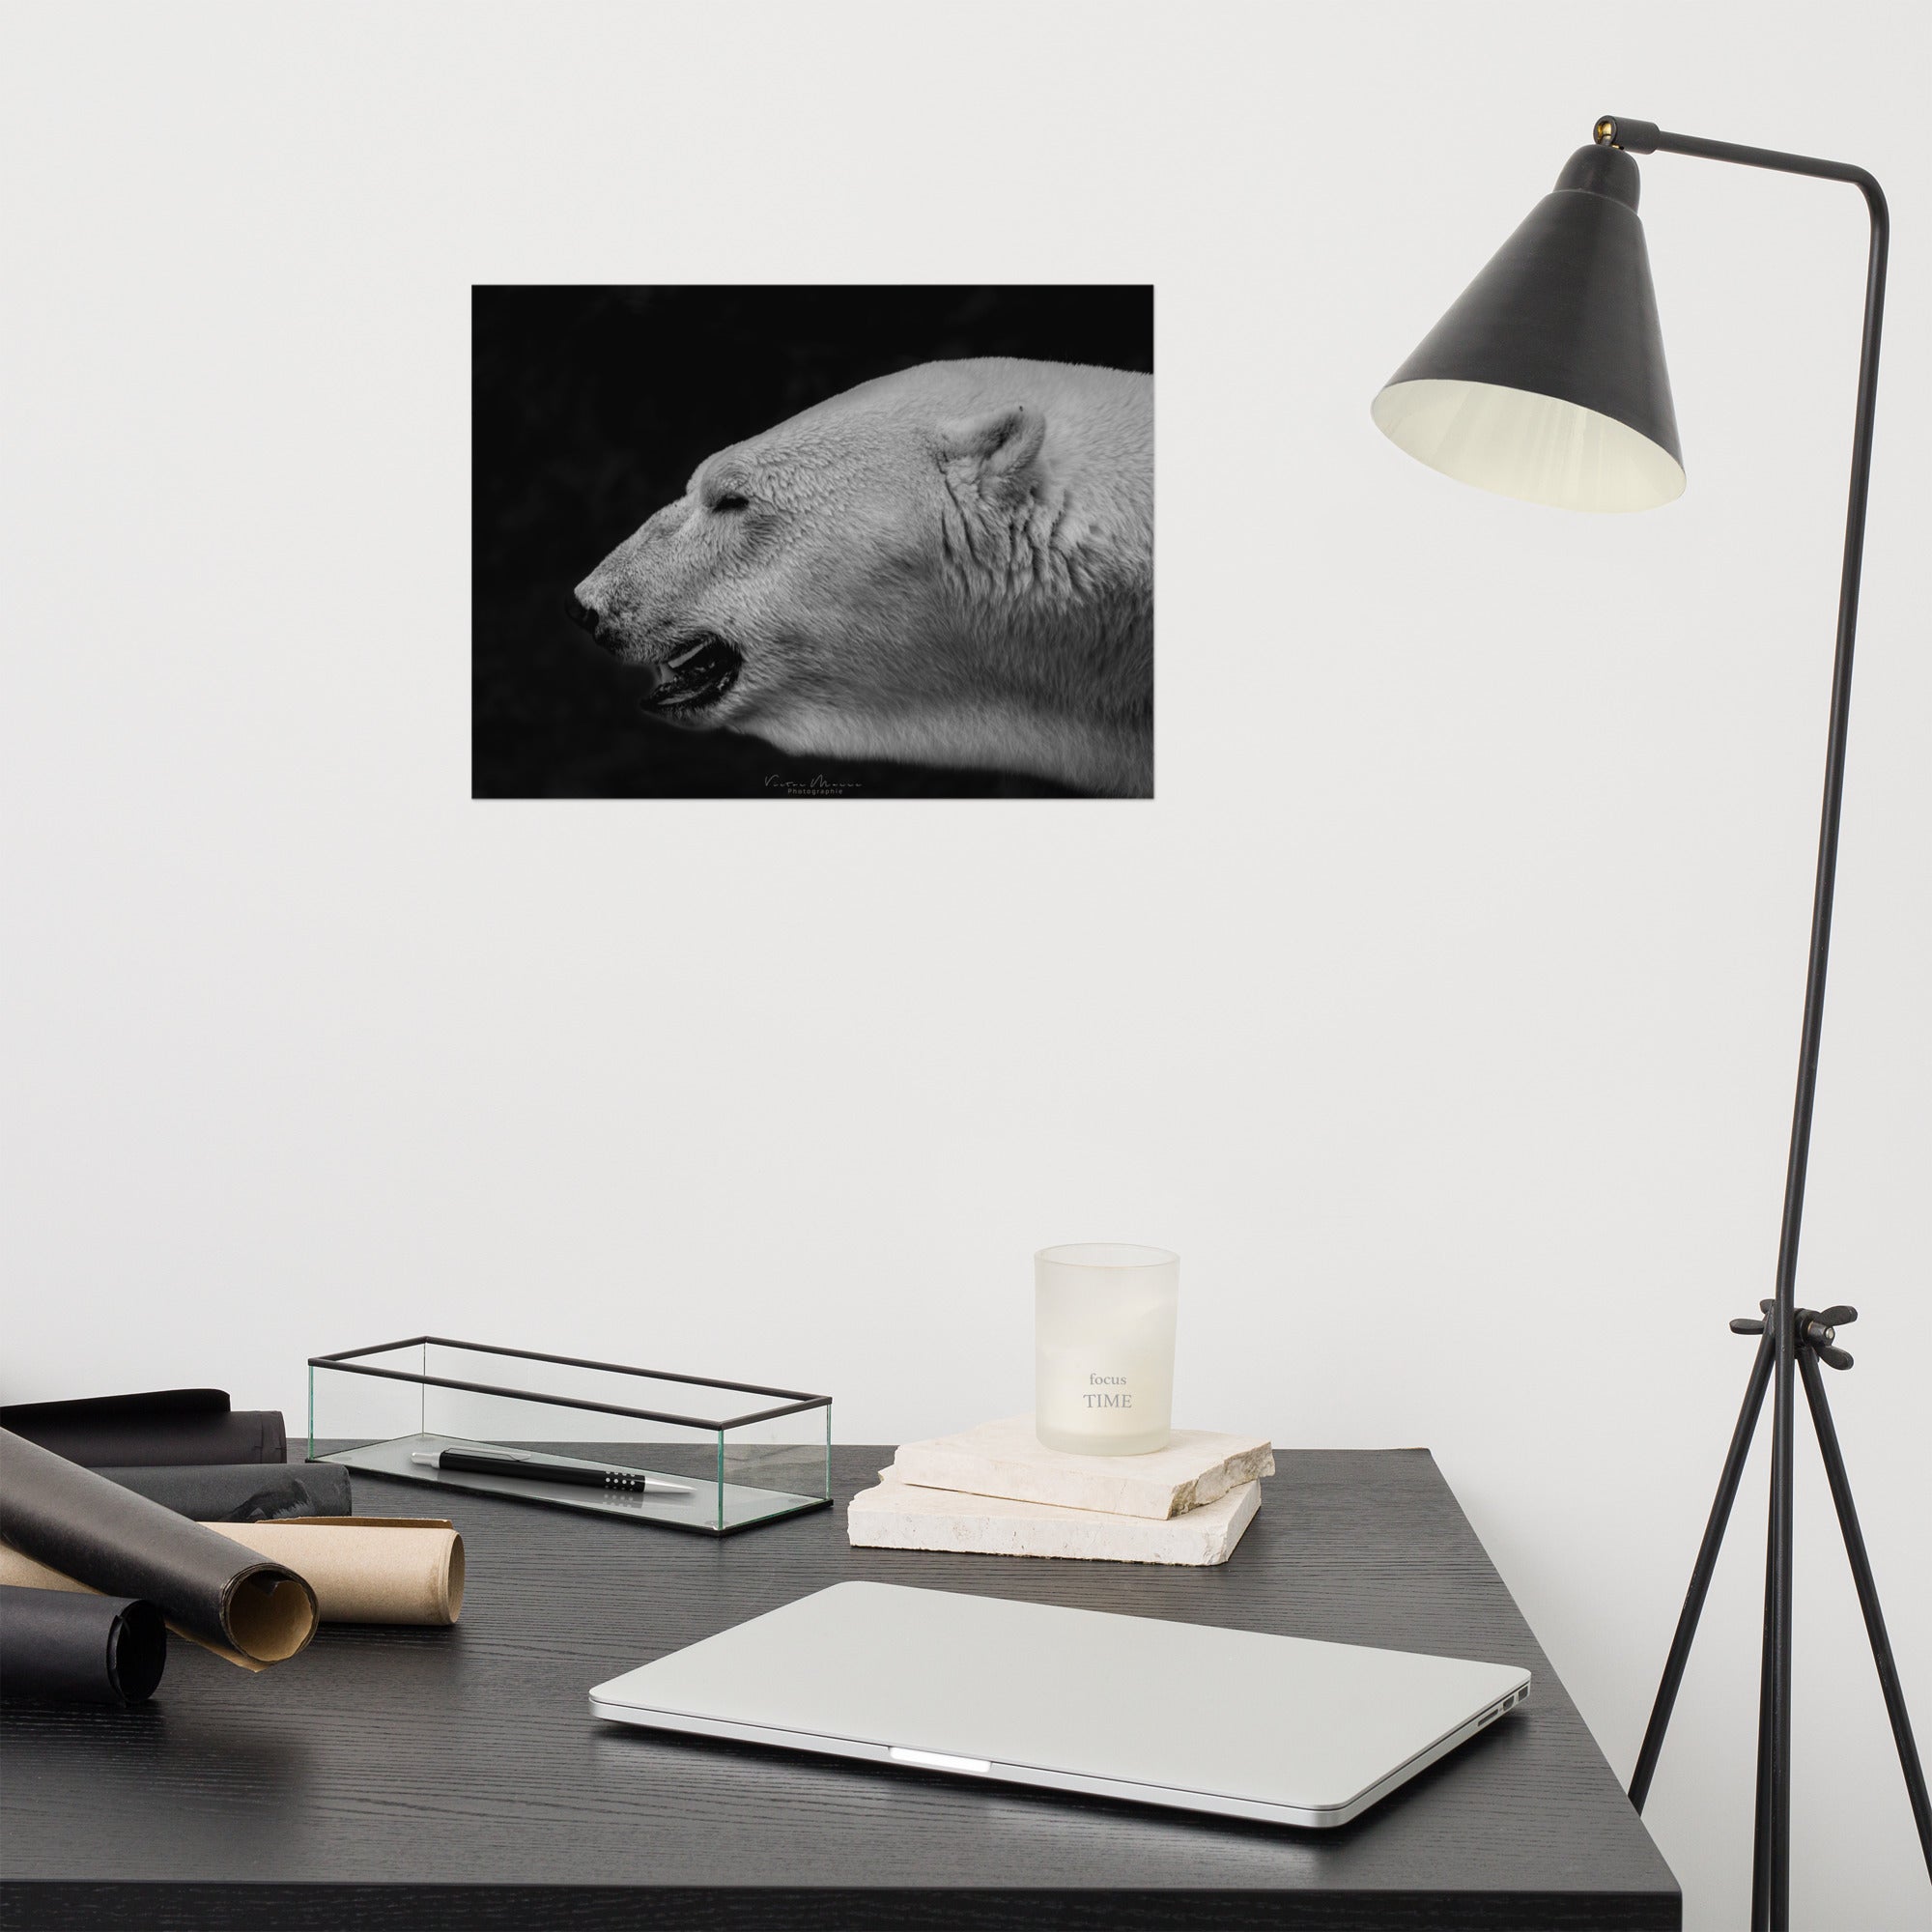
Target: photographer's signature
<point>819,786</point>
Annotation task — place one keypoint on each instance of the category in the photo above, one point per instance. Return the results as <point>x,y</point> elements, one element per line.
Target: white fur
<point>952,565</point>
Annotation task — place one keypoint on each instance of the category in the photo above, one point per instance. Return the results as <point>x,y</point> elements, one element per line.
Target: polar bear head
<point>949,565</point>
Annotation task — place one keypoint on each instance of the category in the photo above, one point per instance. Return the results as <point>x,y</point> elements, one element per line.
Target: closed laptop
<point>1240,1722</point>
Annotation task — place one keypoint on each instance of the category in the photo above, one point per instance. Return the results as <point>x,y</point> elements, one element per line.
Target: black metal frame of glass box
<point>718,1479</point>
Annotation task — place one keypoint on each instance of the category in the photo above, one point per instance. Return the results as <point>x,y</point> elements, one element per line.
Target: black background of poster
<point>591,407</point>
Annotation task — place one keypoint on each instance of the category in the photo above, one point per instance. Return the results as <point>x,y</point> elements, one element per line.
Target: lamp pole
<point>1793,1344</point>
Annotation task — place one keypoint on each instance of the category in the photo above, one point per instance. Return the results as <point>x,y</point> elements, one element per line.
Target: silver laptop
<point>1279,1728</point>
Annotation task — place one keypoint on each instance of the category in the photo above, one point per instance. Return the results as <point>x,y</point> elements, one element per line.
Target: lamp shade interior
<point>1518,443</point>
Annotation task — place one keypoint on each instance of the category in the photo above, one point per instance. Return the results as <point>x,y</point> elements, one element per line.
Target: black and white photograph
<point>816,542</point>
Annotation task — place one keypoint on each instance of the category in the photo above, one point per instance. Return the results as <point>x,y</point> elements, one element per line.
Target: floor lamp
<point>1547,381</point>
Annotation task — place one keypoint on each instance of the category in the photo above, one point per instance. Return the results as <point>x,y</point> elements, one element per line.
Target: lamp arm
<point>1646,137</point>
<point>1770,1903</point>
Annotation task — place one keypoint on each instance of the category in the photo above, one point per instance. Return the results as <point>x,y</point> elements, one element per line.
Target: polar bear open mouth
<point>695,676</point>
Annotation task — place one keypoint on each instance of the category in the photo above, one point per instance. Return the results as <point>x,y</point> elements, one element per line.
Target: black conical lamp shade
<point>1545,381</point>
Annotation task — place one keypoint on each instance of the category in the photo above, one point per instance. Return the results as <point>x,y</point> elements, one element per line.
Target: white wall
<point>1453,1039</point>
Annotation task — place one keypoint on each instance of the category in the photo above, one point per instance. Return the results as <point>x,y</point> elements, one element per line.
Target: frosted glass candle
<point>1103,1347</point>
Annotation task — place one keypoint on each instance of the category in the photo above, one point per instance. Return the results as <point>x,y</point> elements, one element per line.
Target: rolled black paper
<point>118,1542</point>
<point>242,1491</point>
<point>80,1649</point>
<point>161,1426</point>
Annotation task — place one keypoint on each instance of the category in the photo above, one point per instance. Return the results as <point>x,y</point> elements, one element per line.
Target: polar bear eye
<point>731,501</point>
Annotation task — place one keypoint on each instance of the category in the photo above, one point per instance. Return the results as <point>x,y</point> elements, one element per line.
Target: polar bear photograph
<point>935,580</point>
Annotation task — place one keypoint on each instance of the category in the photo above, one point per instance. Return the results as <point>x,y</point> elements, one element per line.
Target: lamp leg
<point>1761,1826</point>
<point>1701,1572</point>
<point>1778,1637</point>
<point>1868,1588</point>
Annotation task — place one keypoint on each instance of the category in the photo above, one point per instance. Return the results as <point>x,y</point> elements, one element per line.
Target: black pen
<point>531,1468</point>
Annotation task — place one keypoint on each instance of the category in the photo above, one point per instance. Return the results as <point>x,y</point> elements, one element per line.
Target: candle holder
<point>1103,1337</point>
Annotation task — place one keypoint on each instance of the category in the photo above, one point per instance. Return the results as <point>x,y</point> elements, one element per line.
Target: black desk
<point>427,1778</point>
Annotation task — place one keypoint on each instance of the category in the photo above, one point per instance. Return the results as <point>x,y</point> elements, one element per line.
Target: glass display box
<point>683,1452</point>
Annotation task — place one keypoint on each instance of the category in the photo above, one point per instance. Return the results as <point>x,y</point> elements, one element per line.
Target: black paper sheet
<point>160,1426</point>
<point>83,1527</point>
<point>80,1649</point>
<point>242,1491</point>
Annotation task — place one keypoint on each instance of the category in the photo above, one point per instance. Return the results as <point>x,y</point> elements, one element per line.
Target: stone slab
<point>1006,1459</point>
<point>903,1515</point>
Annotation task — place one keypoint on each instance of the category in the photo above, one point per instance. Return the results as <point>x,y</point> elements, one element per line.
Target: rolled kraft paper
<point>159,1426</point>
<point>79,1649</point>
<point>364,1570</point>
<point>242,1491</point>
<point>367,1569</point>
<point>105,1538</point>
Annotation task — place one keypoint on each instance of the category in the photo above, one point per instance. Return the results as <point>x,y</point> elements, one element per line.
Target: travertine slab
<point>902,1515</point>
<point>1006,1459</point>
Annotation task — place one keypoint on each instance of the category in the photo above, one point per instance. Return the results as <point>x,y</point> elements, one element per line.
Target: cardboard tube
<point>364,1569</point>
<point>87,1533</point>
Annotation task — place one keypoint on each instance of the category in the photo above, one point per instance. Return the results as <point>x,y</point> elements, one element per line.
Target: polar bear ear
<point>1002,444</point>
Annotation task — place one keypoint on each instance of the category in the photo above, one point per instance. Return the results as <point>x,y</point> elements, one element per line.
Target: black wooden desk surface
<point>412,1779</point>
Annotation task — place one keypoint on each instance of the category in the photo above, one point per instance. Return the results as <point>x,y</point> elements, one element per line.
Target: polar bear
<point>952,565</point>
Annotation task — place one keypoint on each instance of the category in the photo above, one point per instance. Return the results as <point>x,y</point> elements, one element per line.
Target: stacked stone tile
<point>996,1491</point>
